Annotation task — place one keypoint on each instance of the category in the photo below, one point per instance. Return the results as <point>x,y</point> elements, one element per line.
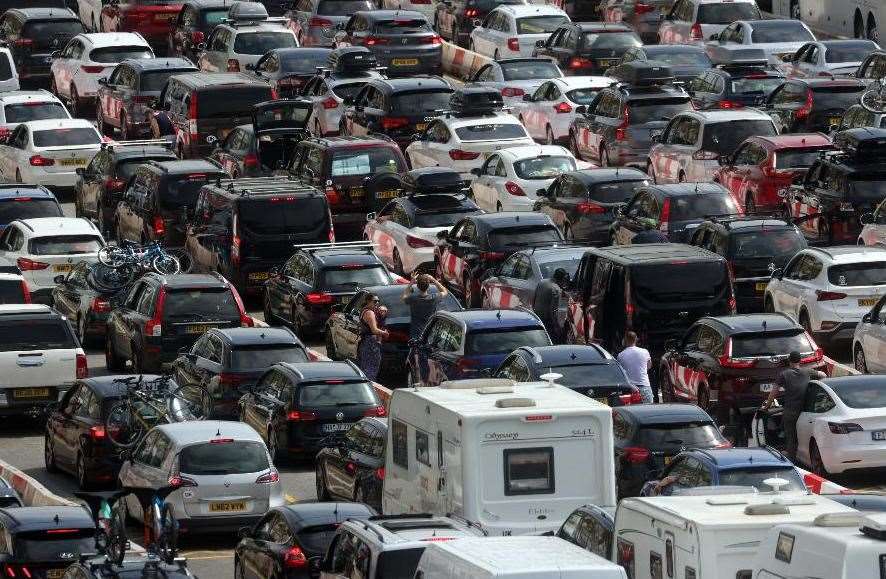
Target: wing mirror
<point>540,44</point>
<point>777,273</point>
<point>866,319</point>
<point>371,216</point>
<point>527,98</point>
<point>866,218</point>
<point>59,279</point>
<point>103,81</point>
<point>476,171</point>
<point>477,23</point>
<point>581,110</point>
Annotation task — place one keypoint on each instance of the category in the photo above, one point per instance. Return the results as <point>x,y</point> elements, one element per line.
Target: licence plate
<point>227,507</point>
<point>760,286</point>
<point>73,162</point>
<point>258,276</point>
<point>357,192</point>
<point>54,573</point>
<point>336,427</point>
<point>847,207</point>
<point>835,120</point>
<point>404,61</point>
<point>421,126</point>
<point>878,435</point>
<point>63,267</point>
<point>164,17</point>
<point>868,302</point>
<point>607,62</point>
<point>390,194</point>
<point>766,387</point>
<point>197,328</point>
<point>31,393</point>
<point>668,459</point>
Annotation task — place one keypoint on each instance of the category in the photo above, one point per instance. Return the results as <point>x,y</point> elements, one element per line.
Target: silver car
<point>515,77</point>
<point>328,93</point>
<point>223,470</point>
<point>694,21</point>
<point>827,57</point>
<point>869,340</point>
<point>238,46</point>
<point>778,39</point>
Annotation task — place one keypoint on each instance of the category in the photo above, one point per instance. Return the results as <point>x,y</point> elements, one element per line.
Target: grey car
<point>289,69</point>
<point>857,116</point>
<point>686,61</point>
<point>515,77</point>
<point>644,16</point>
<point>779,39</point>
<point>311,20</point>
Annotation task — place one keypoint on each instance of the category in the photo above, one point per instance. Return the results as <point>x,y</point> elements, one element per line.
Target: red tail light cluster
<point>250,161</point>
<point>562,108</point>
<point>154,326</point>
<point>197,37</point>
<point>727,361</point>
<point>459,155</point>
<point>379,411</point>
<point>640,8</point>
<point>114,185</point>
<point>695,32</point>
<point>510,91</point>
<point>301,416</point>
<point>295,558</point>
<point>159,226</point>
<point>826,296</point>
<point>269,477</point>
<point>803,112</point>
<point>41,161</point>
<point>233,65</point>
<point>636,454</point>
<point>97,433</point>
<point>319,22</point>
<point>389,123</point>
<point>417,242</point>
<point>318,298</point>
<point>26,264</point>
<point>579,62</point>
<point>514,189</point>
<point>514,44</point>
<point>82,367</point>
<point>92,69</point>
<point>375,41</point>
<point>729,105</point>
<point>178,481</point>
<point>589,207</point>
<point>330,103</point>
<point>621,133</point>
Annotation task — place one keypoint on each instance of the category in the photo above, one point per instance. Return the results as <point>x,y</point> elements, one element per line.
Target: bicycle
<point>148,403</point>
<point>874,99</point>
<point>151,256</point>
<point>110,537</point>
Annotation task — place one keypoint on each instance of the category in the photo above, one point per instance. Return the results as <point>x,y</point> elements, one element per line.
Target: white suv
<point>513,30</point>
<point>828,290</point>
<point>40,356</point>
<point>387,545</point>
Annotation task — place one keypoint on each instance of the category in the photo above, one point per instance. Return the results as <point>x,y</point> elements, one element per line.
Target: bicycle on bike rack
<point>874,99</point>
<point>150,257</point>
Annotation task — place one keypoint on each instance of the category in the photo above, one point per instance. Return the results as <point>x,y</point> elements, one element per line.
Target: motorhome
<point>511,458</point>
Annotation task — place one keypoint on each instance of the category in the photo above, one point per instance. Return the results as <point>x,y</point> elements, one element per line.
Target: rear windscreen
<point>126,167</point>
<point>617,40</point>
<point>262,42</point>
<point>796,158</point>
<point>440,218</point>
<point>398,564</point>
<point>514,238</point>
<point>51,28</point>
<point>66,137</point>
<point>181,190</point>
<point>697,206</point>
<point>569,265</point>
<point>756,85</point>
<point>317,538</point>
<point>34,111</point>
<point>398,309</point>
<point>348,90</point>
<point>348,394</point>
<point>365,162</point>
<point>529,70</point>
<point>343,7</point>
<point>488,5</point>
<point>848,52</point>
<point>209,304</point>
<point>583,96</point>
<point>858,274</point>
<point>616,192</point>
<point>504,341</point>
<point>351,278</point>
<point>754,477</point>
<point>724,138</point>
<point>213,17</point>
<point>766,243</point>
<point>771,344</point>
<point>491,132</point>
<point>688,58</point>
<point>679,434</point>
<point>11,291</point>
<point>673,282</point>
<point>221,458</point>
<point>590,375</point>
<point>727,12</point>
<point>115,54</point>
<point>230,101</point>
<point>539,24</point>
<point>420,103</point>
<point>302,63</point>
<point>22,208</point>
<point>299,216</point>
<point>48,546</point>
<point>402,26</point>
<point>543,167</point>
<point>837,97</point>
<point>781,31</point>
<point>18,335</point>
<point>646,111</point>
<point>65,245</point>
<point>155,80</point>
<point>258,357</point>
<point>869,394</point>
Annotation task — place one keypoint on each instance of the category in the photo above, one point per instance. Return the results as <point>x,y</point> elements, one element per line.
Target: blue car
<point>743,467</point>
<point>470,344</point>
<point>19,201</point>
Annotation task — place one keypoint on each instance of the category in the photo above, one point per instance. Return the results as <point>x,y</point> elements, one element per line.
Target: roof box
<point>650,73</point>
<point>743,58</point>
<point>433,180</point>
<point>479,100</point>
<point>248,12</point>
<point>874,526</point>
<point>862,143</point>
<point>351,59</point>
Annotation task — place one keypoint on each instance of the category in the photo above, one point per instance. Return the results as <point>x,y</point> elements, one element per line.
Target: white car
<point>695,21</point>
<point>75,70</point>
<point>509,180</point>
<point>869,341</point>
<point>873,232</point>
<point>829,290</point>
<point>46,247</point>
<point>49,152</point>
<point>8,73</point>
<point>515,77</point>
<point>689,148</point>
<point>328,93</point>
<point>463,143</point>
<point>514,29</point>
<point>778,39</point>
<point>548,113</point>
<point>236,46</point>
<point>21,106</point>
<point>843,425</point>
<point>827,57</point>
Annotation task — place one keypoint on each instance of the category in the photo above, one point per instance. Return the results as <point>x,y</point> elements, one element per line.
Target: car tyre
<point>124,128</point>
<point>768,306</point>
<point>750,206</point>
<point>75,103</point>
<point>817,465</point>
<point>269,317</point>
<point>100,123</point>
<point>272,446</point>
<point>398,264</point>
<point>859,359</point>
<point>112,362</point>
<point>665,386</point>
<point>49,456</point>
<point>467,288</point>
<point>18,176</point>
<point>82,474</point>
<point>320,481</point>
<point>137,362</point>
<point>573,146</point>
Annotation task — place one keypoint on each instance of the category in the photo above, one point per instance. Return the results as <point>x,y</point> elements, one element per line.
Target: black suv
<point>228,361</point>
<point>805,105</point>
<point>243,228</point>
<point>32,35</point>
<point>657,290</point>
<point>303,292</point>
<point>588,47</point>
<point>162,315</point>
<point>44,541</point>
<point>754,247</point>
<point>298,408</point>
<point>159,200</point>
<point>744,83</point>
<point>101,184</point>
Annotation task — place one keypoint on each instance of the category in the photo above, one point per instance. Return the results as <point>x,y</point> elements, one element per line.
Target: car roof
<point>20,519</point>
<point>257,336</point>
<point>23,96</point>
<point>731,458</point>
<point>311,513</point>
<point>322,369</point>
<point>40,226</point>
<point>664,253</point>
<point>531,151</point>
<point>608,175</point>
<point>477,319</point>
<point>744,222</point>
<point>522,10</point>
<point>414,83</point>
<point>510,219</point>
<point>753,323</point>
<point>816,82</point>
<point>663,413</point>
<point>574,82</point>
<point>845,42</point>
<point>209,3</point>
<point>439,201</point>
<point>337,256</point>
<point>527,556</point>
<point>686,189</point>
<point>121,153</point>
<point>501,61</point>
<point>15,190</point>
<point>185,433</point>
<point>177,166</point>
<point>28,309</point>
<point>547,253</point>
<point>58,124</point>
<point>856,380</point>
<point>297,50</point>
<point>769,22</point>
<point>105,39</point>
<point>343,142</point>
<point>500,117</point>
<point>45,13</point>
<point>200,79</point>
<point>187,280</point>
<point>108,387</point>
<point>670,48</point>
<point>407,529</point>
<point>568,354</point>
<point>851,253</point>
<point>162,63</point>
<point>376,15</point>
<point>795,140</point>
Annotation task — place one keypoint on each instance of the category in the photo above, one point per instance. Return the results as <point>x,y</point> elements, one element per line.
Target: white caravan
<point>512,458</point>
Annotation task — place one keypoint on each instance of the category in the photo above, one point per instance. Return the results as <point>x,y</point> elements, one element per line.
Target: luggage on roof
<point>650,73</point>
<point>351,59</point>
<point>476,101</point>
<point>247,12</point>
<point>433,180</point>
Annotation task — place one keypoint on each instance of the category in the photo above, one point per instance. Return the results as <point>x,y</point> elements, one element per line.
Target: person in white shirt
<point>636,362</point>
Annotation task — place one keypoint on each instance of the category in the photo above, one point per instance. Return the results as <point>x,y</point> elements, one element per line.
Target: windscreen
<point>208,304</point>
<point>343,7</point>
<point>780,31</point>
<point>115,54</point>
<point>569,265</point>
<point>727,12</point>
<point>281,116</point>
<point>697,206</point>
<point>650,110</point>
<point>440,218</point>
<point>351,278</point>
<point>182,190</point>
<point>867,186</point>
<point>51,28</point>
<point>529,70</point>
<point>45,546</point>
<point>348,163</point>
<point>230,101</point>
<point>771,344</point>
<point>836,97</point>
<point>756,85</point>
<point>679,435</point>
<point>261,42</point>
<point>867,395</point>
<point>34,111</point>
<point>796,158</point>
<point>420,103</point>
<point>590,375</point>
<point>398,564</point>
<point>245,358</point>
<point>848,52</point>
<point>615,192</point>
<point>489,5</point>
<point>539,24</point>
<point>24,208</point>
<point>65,245</point>
<point>347,394</point>
<point>491,132</point>
<point>298,217</point>
<point>155,80</point>
<point>766,243</point>
<point>858,274</point>
<point>616,40</point>
<point>66,137</point>
<point>583,96</point>
<point>223,457</point>
<point>754,477</point>
<point>505,340</point>
<point>674,282</point>
<point>11,291</point>
<point>687,58</point>
<point>516,237</point>
<point>546,167</point>
<point>724,138</point>
<point>18,335</point>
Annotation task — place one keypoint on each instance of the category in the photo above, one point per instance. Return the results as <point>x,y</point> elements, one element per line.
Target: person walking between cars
<point>422,303</point>
<point>636,362</point>
<point>546,304</point>
<point>794,381</point>
<point>161,125</point>
<point>371,334</point>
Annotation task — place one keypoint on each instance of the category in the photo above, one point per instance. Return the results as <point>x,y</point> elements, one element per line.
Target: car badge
<point>590,392</point>
<point>227,483</point>
<point>683,314</point>
<point>404,41</point>
<point>55,41</point>
<point>771,267</point>
<point>66,555</point>
<point>339,416</point>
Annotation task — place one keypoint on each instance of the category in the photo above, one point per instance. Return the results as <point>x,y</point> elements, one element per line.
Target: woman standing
<point>371,334</point>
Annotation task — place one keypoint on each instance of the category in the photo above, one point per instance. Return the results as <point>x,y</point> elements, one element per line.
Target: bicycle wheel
<point>111,256</point>
<point>117,540</point>
<point>190,402</point>
<point>873,101</point>
<point>167,539</point>
<point>183,257</point>
<point>166,264</point>
<point>123,428</point>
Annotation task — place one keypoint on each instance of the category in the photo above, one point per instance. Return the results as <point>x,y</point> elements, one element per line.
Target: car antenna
<point>218,431</point>
<point>764,325</point>
<point>696,186</point>
<point>498,314</point>
<point>335,512</point>
<point>572,356</point>
<point>55,518</point>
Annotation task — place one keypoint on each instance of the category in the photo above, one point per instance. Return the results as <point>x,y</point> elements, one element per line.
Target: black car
<point>478,243</point>
<point>685,60</point>
<point>32,34</point>
<point>194,24</point>
<point>243,228</point>
<point>754,247</point>
<point>298,408</point>
<point>590,370</point>
<point>734,86</point>
<point>9,497</point>
<point>161,315</point>
<point>76,440</point>
<point>302,293</point>
<point>803,105</point>
<point>398,108</point>
<point>287,539</point>
<point>454,19</point>
<point>84,297</point>
<point>402,41</point>
<point>131,568</point>
<point>101,183</point>
<point>649,436</point>
<point>159,199</point>
<point>44,541</point>
<point>675,210</point>
<point>19,201</point>
<point>588,47</point>
<point>353,468</point>
<point>584,203</point>
<point>591,528</point>
<point>225,362</point>
<point>343,327</point>
<point>289,69</point>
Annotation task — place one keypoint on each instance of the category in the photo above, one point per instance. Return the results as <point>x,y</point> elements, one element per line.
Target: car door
<point>666,153</point>
<point>140,470</point>
<point>640,214</point>
<point>91,183</point>
<point>684,363</point>
<point>62,66</point>
<point>450,264</point>
<point>71,409</point>
<point>348,334</point>
<point>12,153</point>
<point>872,336</point>
<point>254,549</point>
<point>496,286</point>
<point>816,404</point>
<point>606,110</point>
<point>789,288</point>
<point>484,187</point>
<point>443,355</point>
<point>434,147</point>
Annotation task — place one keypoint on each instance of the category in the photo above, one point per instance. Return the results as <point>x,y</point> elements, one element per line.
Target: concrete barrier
<point>460,62</point>
<point>834,368</point>
<point>31,491</point>
<point>822,486</point>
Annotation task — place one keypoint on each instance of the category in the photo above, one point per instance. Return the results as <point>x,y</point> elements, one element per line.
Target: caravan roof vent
<point>838,520</point>
<point>874,526</point>
<point>766,509</point>
<point>724,501</point>
<point>480,384</point>
<point>514,402</point>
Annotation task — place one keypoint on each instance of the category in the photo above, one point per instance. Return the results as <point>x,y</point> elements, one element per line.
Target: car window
<point>817,400</point>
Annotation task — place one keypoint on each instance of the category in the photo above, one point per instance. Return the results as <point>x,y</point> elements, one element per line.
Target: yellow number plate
<point>31,392</point>
<point>54,573</point>
<point>357,192</point>
<point>197,329</point>
<point>390,194</point>
<point>603,401</point>
<point>835,120</point>
<point>63,267</point>
<point>761,286</point>
<point>668,460</point>
<point>73,162</point>
<point>868,302</point>
<point>404,61</point>
<point>258,275</point>
<point>229,507</point>
<point>421,126</point>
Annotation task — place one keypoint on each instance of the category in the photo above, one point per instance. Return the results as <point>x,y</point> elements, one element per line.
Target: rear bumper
<point>837,337</point>
<point>10,406</point>
<point>217,524</point>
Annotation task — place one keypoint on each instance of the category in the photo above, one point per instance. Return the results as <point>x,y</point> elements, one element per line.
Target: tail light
<point>378,411</point>
<point>394,122</point>
<point>97,433</point>
<point>318,298</point>
<point>226,379</point>
<point>375,41</point>
<point>589,207</point>
<point>380,473</point>
<point>641,8</point>
<point>26,264</point>
<point>301,416</point>
<point>471,12</point>
<point>825,296</point>
<point>233,65</point>
<point>803,112</point>
<point>727,361</point>
<point>178,481</point>
<point>563,107</point>
<point>465,364</point>
<point>250,161</point>
<point>235,241</point>
<point>82,366</point>
<point>492,255</point>
<point>91,69</point>
<point>417,242</point>
<point>844,427</point>
<point>274,94</point>
<point>319,22</point>
<point>4,132</point>
<point>729,105</point>
<point>154,326</point>
<point>695,32</point>
<point>351,468</point>
<point>100,306</point>
<point>514,189</point>
<point>435,39</point>
<point>41,161</point>
<point>514,44</point>
<point>636,454</point>
<point>636,397</point>
<point>621,132</point>
<point>114,185</point>
<point>332,195</point>
<point>197,37</point>
<point>732,305</point>
<point>705,156</point>
<point>459,155</point>
<point>511,91</point>
<point>269,477</point>
<point>816,356</point>
<point>23,42</point>
<point>159,226</point>
<point>26,292</point>
<point>665,215</point>
<point>246,320</point>
<point>295,558</point>
<point>580,62</point>
<point>330,103</point>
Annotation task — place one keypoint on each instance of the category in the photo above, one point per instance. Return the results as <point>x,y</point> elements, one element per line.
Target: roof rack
<point>312,247</point>
<point>401,516</point>
<point>637,74</point>
<point>368,528</point>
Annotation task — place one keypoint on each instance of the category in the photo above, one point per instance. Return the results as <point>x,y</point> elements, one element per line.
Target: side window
<point>143,453</point>
<point>570,527</point>
<point>399,444</point>
<point>794,268</point>
<point>817,400</point>
<point>523,269</point>
<point>422,448</point>
<point>158,455</point>
<point>145,305</point>
<point>214,350</point>
<point>654,565</point>
<point>507,268</point>
<point>343,552</point>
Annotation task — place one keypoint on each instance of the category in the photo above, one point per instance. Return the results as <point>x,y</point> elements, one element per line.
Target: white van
<point>710,537</point>
<point>513,558</point>
<point>836,546</point>
<point>512,458</point>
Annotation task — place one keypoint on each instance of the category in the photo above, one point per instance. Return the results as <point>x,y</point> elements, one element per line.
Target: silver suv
<point>239,43</point>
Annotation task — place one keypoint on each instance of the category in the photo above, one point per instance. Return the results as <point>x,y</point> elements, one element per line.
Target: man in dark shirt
<point>794,381</point>
<point>422,302</point>
<point>546,303</point>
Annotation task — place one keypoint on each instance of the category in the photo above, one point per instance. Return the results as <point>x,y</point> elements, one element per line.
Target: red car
<point>154,20</point>
<point>762,166</point>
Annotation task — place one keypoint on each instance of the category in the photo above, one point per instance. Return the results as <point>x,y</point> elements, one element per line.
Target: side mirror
<point>539,43</point>
<point>527,98</point>
<point>80,171</point>
<point>542,192</point>
<point>477,23</point>
<point>444,234</point>
<point>476,171</point>
<point>126,455</point>
<point>59,279</point>
<point>581,110</point>
<point>866,218</point>
<point>103,80</point>
<point>724,160</point>
<point>777,273</point>
<point>714,37</point>
<point>866,319</point>
<point>244,532</point>
<point>249,66</point>
<point>201,46</point>
<point>371,216</point>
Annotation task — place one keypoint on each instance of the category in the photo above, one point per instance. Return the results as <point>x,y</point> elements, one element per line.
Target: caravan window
<point>422,448</point>
<point>654,565</point>
<point>399,444</point>
<point>529,471</point>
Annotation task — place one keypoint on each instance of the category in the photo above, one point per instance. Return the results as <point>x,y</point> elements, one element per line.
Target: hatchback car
<point>868,339</point>
<point>289,69</point>
<point>44,541</point>
<point>21,106</point>
<point>814,104</point>
<point>777,38</point>
<point>353,467</point>
<point>239,42</point>
<point>550,112</point>
<point>314,21</point>
<point>515,30</point>
<point>695,21</point>
<point>454,20</point>
<point>513,283</point>
<point>222,472</point>
<point>515,77</point>
<point>32,34</point>
<point>739,84</point>
<point>588,47</point>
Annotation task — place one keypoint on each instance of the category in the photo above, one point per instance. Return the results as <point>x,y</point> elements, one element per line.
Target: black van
<point>244,227</point>
<point>657,290</point>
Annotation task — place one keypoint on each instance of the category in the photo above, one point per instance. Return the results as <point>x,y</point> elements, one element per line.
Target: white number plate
<point>766,387</point>
<point>878,435</point>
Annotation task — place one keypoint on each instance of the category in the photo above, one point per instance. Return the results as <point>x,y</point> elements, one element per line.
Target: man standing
<point>636,362</point>
<point>546,303</point>
<point>422,303</point>
<point>794,381</point>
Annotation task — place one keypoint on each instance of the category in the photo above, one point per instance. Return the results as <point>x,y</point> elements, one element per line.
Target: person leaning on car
<point>794,381</point>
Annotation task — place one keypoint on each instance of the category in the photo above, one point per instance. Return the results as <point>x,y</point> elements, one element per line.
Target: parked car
<point>289,69</point>
<point>314,21</point>
<point>515,30</point>
<point>18,201</point>
<point>868,340</point>
<point>814,104</point>
<point>828,57</point>
<point>154,21</point>
<point>194,23</point>
<point>686,61</point>
<point>515,77</point>
<point>353,467</point>
<point>745,82</point>
<point>550,112</point>
<point>455,20</point>
<point>31,529</point>
<point>695,21</point>
<point>777,38</point>
<point>20,106</point>
<point>239,42</point>
<point>31,35</point>
<point>82,296</point>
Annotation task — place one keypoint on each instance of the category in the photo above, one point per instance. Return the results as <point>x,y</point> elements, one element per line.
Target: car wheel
<point>704,397</point>
<point>817,465</point>
<point>267,310</point>
<point>681,177</point>
<point>750,206</point>
<point>75,102</point>
<point>495,56</point>
<point>49,455</point>
<point>100,119</point>
<point>665,386</point>
<point>320,481</point>
<point>398,264</point>
<point>318,130</point>
<point>573,146</point>
<point>124,128</point>
<point>81,330</point>
<point>604,157</point>
<point>549,136</point>
<point>861,363</point>
<point>359,494</point>
<point>498,207</point>
<point>82,474</point>
<point>112,362</point>
<point>330,346</point>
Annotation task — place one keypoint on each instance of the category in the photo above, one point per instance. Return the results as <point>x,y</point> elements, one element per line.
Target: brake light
<point>374,41</point>
<point>471,12</point>
<point>510,91</point>
<point>514,44</point>
<point>114,185</point>
<point>97,433</point>
<point>589,207</point>
<point>380,473</point>
<point>563,107</point>
<point>159,226</point>
<point>825,296</point>
<point>379,411</point>
<point>62,531</point>
<point>815,356</point>
<point>844,427</point>
<point>91,69</point>
<point>268,477</point>
<point>154,326</point>
<point>295,558</point>
<point>579,62</point>
<point>330,103</point>
<point>178,481</point>
<point>26,264</point>
<point>729,105</point>
<point>41,161</point>
<point>633,398</point>
<point>332,195</point>
<point>26,293</point>
<point>221,441</point>
<point>82,366</point>
<point>727,361</point>
<point>464,364</point>
<point>621,132</point>
<point>695,32</point>
<point>22,42</point>
<point>492,255</point>
<point>705,156</point>
<point>636,454</point>
<point>274,94</point>
<point>250,161</point>
<point>233,65</point>
<point>197,37</point>
<point>514,189</point>
<point>803,112</point>
<point>665,215</point>
<point>318,298</point>
<point>434,39</point>
<point>192,115</point>
<point>301,416</point>
<point>319,22</point>
<point>732,304</point>
<point>641,8</point>
<point>459,155</point>
<point>417,242</point>
<point>394,122</point>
